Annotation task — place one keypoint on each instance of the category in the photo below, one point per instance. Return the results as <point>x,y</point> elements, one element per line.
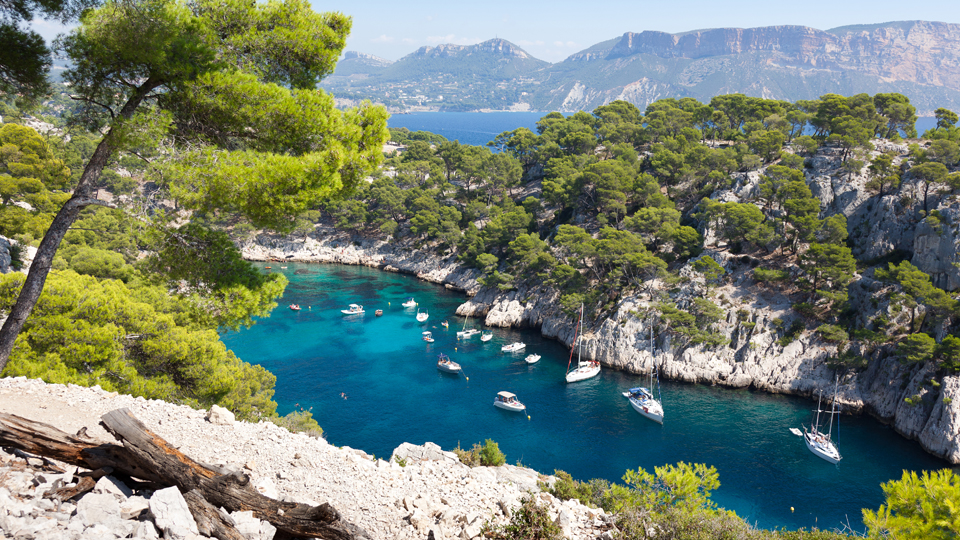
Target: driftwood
<point>148,457</point>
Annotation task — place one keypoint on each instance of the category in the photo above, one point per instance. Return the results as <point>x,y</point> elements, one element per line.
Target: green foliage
<point>918,507</point>
<point>299,421</point>
<point>137,341</point>
<point>711,269</point>
<point>528,522</point>
<point>917,348</point>
<point>764,275</point>
<point>487,455</point>
<point>833,333</point>
<point>792,333</point>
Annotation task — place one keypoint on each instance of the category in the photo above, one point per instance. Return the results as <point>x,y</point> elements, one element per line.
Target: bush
<point>770,276</point>
<point>16,255</point>
<point>488,455</point>
<point>529,522</point>
<point>833,333</point>
<point>300,421</point>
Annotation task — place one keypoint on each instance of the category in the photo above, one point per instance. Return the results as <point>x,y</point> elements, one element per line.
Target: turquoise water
<point>372,383</point>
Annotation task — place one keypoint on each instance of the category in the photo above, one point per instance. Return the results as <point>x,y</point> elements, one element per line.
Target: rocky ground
<point>432,496</point>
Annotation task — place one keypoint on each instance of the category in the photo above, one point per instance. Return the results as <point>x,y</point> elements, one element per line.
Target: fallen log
<point>147,456</point>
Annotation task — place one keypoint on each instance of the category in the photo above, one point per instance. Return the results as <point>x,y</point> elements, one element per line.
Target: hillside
<point>919,59</point>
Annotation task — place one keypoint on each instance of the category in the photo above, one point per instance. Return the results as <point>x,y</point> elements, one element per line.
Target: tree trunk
<point>147,456</point>
<point>84,195</point>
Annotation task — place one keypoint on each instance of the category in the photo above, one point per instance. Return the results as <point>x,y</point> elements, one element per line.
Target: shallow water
<point>372,384</point>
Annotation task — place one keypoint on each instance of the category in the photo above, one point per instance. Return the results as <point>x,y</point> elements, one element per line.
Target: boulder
<point>172,515</point>
<point>219,415</point>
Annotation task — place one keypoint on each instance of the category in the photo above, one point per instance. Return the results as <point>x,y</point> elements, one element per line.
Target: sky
<point>553,30</point>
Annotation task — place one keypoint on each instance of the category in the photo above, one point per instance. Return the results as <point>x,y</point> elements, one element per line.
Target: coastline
<point>754,358</point>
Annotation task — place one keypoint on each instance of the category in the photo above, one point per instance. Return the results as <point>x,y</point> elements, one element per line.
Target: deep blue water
<point>476,129</point>
<point>372,384</point>
<point>480,128</point>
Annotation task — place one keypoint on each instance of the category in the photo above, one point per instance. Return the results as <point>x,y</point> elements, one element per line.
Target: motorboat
<point>584,370</point>
<point>514,347</point>
<point>642,401</point>
<point>295,307</point>
<point>508,401</point>
<point>532,358</point>
<point>378,312</point>
<point>445,364</point>
<point>410,303</point>
<point>354,309</point>
<point>467,334</point>
<point>428,337</point>
<point>486,336</point>
<point>445,324</point>
<point>422,317</point>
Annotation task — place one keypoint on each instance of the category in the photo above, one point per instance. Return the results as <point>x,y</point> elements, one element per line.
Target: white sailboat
<point>465,334</point>
<point>821,444</point>
<point>584,370</point>
<point>642,399</point>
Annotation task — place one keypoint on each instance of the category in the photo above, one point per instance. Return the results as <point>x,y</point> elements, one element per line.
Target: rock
<point>267,488</point>
<point>428,452</point>
<point>220,416</point>
<point>98,508</point>
<point>133,507</point>
<point>172,515</point>
<point>112,486</point>
<point>252,528</point>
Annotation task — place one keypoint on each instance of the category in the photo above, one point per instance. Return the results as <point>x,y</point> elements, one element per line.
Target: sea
<point>478,129</point>
<point>372,383</point>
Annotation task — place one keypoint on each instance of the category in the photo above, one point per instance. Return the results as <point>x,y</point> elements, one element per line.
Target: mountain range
<point>919,59</point>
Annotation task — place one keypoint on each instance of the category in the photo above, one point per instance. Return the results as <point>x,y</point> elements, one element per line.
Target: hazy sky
<point>553,30</point>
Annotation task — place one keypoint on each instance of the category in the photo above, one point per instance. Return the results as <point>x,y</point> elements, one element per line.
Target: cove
<point>372,383</point>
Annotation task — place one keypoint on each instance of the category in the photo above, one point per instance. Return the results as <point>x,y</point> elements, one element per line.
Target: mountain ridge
<point>920,59</point>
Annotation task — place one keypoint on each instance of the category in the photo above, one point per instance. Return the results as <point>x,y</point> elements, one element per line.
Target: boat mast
<point>579,348</point>
<point>833,407</point>
<point>816,426</point>
<point>575,342</point>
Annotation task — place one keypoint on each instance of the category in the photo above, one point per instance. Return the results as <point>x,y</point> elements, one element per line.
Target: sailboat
<point>821,444</point>
<point>584,370</point>
<point>465,334</point>
<point>641,399</point>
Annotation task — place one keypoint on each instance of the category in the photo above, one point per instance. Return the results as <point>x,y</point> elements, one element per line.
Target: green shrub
<point>770,276</point>
<point>16,255</point>
<point>300,421</point>
<point>529,522</point>
<point>488,455</point>
<point>796,327</point>
<point>833,333</point>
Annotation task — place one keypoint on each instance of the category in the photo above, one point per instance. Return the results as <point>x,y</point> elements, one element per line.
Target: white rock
<point>112,486</point>
<point>98,508</point>
<point>219,415</point>
<point>172,515</point>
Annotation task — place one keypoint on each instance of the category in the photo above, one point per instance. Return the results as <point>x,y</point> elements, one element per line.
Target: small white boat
<point>445,324</point>
<point>421,317</point>
<point>295,307</point>
<point>445,364</point>
<point>410,303</point>
<point>466,334</point>
<point>486,337</point>
<point>428,337</point>
<point>508,401</point>
<point>532,358</point>
<point>354,309</point>
<point>514,347</point>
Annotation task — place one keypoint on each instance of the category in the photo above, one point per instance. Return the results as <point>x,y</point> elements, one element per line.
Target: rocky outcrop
<point>432,496</point>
